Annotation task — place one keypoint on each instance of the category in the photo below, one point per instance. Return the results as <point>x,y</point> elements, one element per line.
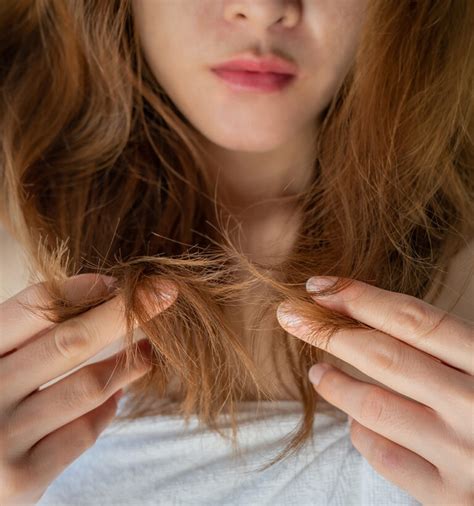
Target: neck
<point>255,181</point>
<point>260,189</point>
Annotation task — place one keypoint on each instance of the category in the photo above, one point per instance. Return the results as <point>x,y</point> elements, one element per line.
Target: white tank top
<point>158,461</point>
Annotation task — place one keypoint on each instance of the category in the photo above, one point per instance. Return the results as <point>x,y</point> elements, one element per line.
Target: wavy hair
<point>101,173</point>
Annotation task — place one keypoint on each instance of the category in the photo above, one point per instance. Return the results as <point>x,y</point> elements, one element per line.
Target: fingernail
<point>317,283</point>
<point>316,372</point>
<point>158,295</point>
<point>169,294</point>
<point>110,282</point>
<point>286,315</point>
<point>166,290</point>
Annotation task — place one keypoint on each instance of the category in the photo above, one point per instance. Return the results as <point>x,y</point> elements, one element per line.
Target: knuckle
<point>373,406</point>
<point>389,358</point>
<point>384,454</point>
<point>417,318</point>
<point>87,389</point>
<point>87,433</point>
<point>72,337</point>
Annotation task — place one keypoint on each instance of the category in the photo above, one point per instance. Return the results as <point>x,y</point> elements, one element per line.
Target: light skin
<point>262,141</point>
<point>419,433</point>
<point>43,431</point>
<point>263,144</point>
<point>435,395</point>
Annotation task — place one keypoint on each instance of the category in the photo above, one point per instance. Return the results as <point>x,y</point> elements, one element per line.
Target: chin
<point>248,139</point>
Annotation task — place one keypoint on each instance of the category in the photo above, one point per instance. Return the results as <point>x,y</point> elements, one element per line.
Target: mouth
<point>254,81</point>
<point>263,74</point>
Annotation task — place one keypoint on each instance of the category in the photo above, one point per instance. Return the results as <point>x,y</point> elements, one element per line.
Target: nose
<point>264,13</point>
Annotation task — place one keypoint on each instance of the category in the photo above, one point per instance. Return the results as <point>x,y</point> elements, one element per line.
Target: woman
<point>160,189</point>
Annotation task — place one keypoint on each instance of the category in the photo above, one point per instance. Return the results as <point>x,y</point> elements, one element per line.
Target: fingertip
<point>163,296</point>
<point>87,285</point>
<point>110,282</point>
<point>169,294</point>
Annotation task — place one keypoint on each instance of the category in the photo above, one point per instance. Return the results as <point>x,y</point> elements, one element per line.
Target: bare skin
<point>263,144</point>
<point>266,231</point>
<point>43,431</point>
<point>412,430</point>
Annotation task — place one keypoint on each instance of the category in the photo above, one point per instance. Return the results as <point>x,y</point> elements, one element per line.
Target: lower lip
<point>254,81</point>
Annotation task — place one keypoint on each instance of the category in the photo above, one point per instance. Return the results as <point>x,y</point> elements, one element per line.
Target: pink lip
<point>254,81</point>
<point>270,63</point>
<point>266,74</point>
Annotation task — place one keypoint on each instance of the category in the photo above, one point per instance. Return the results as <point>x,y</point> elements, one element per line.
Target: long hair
<point>101,173</point>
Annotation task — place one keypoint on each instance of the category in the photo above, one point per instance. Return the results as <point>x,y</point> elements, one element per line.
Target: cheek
<point>333,63</point>
<point>162,54</point>
<point>337,31</point>
<point>161,28</point>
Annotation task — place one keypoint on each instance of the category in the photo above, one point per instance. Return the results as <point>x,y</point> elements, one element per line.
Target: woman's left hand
<point>423,439</point>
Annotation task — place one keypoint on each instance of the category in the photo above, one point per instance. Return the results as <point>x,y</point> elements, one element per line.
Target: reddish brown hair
<point>101,173</point>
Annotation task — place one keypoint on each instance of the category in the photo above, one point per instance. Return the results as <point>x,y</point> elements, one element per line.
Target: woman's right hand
<point>43,431</point>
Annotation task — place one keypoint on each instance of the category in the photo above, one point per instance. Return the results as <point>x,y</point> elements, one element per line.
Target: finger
<point>398,465</point>
<point>86,389</point>
<point>397,365</point>
<point>398,419</point>
<point>69,344</point>
<point>18,324</point>
<point>407,318</point>
<point>55,452</point>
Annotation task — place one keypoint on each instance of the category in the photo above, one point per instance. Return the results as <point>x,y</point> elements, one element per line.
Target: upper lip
<point>269,63</point>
